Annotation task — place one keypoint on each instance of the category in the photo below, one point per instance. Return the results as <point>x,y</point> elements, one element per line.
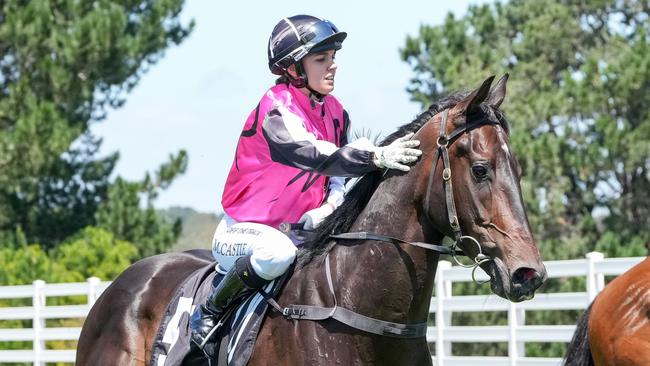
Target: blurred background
<point>119,119</point>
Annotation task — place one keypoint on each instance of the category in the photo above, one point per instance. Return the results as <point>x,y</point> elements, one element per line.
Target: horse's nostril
<point>525,276</point>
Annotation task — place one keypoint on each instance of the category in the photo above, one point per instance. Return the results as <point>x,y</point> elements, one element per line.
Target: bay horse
<point>615,329</point>
<point>464,139</point>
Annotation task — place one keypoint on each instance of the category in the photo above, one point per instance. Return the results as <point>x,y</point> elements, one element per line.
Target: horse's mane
<point>340,221</point>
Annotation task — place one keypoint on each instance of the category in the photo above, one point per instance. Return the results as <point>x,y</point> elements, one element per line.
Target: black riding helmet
<point>295,37</point>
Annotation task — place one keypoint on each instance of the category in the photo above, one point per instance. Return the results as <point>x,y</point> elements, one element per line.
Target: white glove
<point>397,153</point>
<point>313,218</point>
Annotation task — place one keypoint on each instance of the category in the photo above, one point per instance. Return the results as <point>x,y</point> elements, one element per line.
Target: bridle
<point>442,152</point>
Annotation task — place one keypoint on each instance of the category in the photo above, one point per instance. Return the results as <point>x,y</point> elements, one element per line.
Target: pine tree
<point>63,64</point>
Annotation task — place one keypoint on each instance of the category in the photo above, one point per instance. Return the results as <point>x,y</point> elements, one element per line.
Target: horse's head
<point>486,193</point>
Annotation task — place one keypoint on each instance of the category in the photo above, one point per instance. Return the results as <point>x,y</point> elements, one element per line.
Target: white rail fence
<point>594,268</point>
<point>38,334</point>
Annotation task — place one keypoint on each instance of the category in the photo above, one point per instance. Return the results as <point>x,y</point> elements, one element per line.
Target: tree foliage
<point>94,252</point>
<point>122,215</point>
<point>579,102</point>
<point>63,64</point>
<point>91,252</point>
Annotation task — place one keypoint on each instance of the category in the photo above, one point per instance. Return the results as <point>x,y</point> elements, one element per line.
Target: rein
<point>365,235</point>
<point>381,327</point>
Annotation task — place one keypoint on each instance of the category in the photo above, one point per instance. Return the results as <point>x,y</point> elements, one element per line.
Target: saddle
<point>234,340</point>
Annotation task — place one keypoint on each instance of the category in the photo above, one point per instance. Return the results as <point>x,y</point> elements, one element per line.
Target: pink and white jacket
<point>289,147</point>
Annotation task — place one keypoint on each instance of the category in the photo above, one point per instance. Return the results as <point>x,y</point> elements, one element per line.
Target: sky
<point>199,94</point>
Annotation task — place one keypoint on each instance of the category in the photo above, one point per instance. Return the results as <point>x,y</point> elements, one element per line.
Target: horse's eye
<point>479,171</point>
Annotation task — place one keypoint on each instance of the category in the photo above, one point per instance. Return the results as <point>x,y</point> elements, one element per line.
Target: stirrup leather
<point>240,281</point>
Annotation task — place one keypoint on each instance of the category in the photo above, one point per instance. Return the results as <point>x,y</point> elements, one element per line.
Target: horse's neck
<point>394,210</point>
<point>400,277</point>
<point>391,210</point>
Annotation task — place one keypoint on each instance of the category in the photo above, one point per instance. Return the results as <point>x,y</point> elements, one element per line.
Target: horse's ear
<point>498,93</point>
<point>475,98</point>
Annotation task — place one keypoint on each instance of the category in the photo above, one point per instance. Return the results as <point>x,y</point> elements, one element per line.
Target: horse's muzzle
<point>524,282</point>
<point>519,286</point>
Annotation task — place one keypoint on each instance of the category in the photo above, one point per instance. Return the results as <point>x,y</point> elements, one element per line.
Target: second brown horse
<point>615,330</point>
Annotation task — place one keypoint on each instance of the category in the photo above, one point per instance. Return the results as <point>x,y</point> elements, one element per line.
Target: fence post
<point>521,321</point>
<point>447,314</point>
<point>595,281</point>
<point>38,322</point>
<point>443,291</point>
<point>93,282</point>
<point>516,318</point>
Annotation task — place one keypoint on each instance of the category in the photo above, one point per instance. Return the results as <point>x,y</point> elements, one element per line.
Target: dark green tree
<point>579,102</point>
<point>63,64</point>
<point>121,213</point>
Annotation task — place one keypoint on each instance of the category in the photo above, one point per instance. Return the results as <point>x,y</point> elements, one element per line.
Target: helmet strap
<point>313,94</point>
<point>301,82</point>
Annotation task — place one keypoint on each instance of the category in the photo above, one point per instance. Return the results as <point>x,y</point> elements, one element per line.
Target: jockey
<point>290,164</point>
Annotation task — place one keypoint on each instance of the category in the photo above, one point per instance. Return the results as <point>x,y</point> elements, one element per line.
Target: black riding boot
<point>240,281</point>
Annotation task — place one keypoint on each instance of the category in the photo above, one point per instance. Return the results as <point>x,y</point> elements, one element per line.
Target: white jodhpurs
<point>272,252</point>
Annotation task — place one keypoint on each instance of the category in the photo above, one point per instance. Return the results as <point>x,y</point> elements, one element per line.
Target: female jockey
<point>291,160</point>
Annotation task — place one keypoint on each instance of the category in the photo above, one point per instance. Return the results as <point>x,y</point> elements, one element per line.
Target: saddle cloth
<point>235,339</point>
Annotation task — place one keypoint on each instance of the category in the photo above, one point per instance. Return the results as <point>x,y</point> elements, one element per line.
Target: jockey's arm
<point>336,192</point>
<point>291,144</point>
<point>311,219</point>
